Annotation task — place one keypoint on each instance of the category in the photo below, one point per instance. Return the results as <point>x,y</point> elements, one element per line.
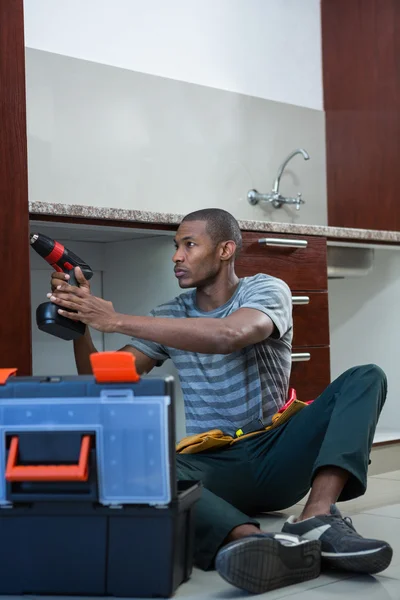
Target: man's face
<point>197,258</point>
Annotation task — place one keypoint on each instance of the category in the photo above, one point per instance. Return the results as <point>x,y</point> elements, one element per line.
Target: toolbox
<point>89,501</point>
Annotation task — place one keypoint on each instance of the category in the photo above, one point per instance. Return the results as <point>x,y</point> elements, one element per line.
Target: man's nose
<point>178,256</point>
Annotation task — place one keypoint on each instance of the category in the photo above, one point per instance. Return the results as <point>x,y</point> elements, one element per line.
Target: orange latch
<point>5,374</point>
<point>114,367</point>
<point>79,472</point>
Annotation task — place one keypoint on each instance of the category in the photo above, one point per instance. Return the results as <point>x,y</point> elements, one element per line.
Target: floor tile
<point>392,572</point>
<point>369,588</point>
<point>384,459</point>
<point>209,586</point>
<point>392,511</point>
<point>379,493</point>
<point>391,475</point>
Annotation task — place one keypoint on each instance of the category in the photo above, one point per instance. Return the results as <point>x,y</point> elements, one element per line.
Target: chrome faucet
<point>275,198</point>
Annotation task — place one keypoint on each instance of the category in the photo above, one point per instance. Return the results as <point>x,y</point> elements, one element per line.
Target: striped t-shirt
<point>228,391</point>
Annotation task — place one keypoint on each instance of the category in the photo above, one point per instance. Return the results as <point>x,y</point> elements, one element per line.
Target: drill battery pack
<point>50,321</point>
<point>89,500</point>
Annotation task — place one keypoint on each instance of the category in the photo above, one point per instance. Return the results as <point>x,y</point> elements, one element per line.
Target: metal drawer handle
<point>301,356</point>
<point>283,242</point>
<point>296,300</point>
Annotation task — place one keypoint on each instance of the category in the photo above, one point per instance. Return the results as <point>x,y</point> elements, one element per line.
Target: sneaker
<point>267,561</point>
<point>341,546</point>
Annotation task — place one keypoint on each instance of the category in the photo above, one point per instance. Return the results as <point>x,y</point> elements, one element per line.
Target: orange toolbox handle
<point>114,367</point>
<point>78,472</point>
<point>5,374</point>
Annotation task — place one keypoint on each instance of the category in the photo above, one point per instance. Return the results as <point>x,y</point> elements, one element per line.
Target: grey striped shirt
<point>229,391</point>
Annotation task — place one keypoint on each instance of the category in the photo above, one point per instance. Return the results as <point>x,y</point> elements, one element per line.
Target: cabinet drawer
<point>310,378</point>
<point>310,319</point>
<point>302,268</point>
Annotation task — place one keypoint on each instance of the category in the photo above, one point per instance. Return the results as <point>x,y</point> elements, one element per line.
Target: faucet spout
<point>274,197</point>
<point>306,156</point>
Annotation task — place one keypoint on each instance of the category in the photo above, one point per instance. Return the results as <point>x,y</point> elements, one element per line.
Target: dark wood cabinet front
<point>302,267</point>
<point>311,319</point>
<point>310,377</point>
<point>361,77</point>
<point>15,327</point>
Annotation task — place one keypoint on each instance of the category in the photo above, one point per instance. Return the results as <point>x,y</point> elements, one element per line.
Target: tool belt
<point>215,438</point>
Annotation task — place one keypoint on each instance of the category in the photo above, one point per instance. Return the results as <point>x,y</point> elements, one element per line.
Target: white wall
<point>265,48</point>
<point>106,137</point>
<point>365,321</point>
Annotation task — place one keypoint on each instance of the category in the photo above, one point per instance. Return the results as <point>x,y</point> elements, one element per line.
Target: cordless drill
<point>64,261</point>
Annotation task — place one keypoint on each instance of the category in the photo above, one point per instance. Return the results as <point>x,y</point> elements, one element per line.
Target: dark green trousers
<point>275,469</point>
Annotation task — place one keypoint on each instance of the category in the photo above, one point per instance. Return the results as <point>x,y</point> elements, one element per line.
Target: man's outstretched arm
<point>242,328</point>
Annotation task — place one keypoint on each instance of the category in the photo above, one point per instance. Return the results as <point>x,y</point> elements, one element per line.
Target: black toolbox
<point>89,502</point>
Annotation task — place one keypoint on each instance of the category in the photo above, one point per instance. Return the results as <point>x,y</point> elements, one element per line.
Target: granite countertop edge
<point>159,218</point>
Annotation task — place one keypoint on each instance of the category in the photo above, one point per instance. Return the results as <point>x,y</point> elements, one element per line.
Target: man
<point>230,340</point>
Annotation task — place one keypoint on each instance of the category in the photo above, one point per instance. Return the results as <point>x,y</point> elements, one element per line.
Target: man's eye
<point>190,244</point>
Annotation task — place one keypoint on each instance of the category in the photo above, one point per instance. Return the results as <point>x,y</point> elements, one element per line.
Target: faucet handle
<point>299,200</point>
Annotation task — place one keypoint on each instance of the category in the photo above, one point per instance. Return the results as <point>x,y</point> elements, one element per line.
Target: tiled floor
<point>377,515</point>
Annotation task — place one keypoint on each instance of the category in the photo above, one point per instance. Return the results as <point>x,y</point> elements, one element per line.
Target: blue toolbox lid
<point>131,424</point>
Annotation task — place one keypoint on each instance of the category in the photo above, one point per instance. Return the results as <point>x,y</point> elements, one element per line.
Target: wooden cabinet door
<point>360,50</point>
<point>310,377</point>
<point>15,326</point>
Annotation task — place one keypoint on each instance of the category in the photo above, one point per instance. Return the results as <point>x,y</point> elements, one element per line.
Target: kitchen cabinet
<point>361,101</point>
<point>15,341</point>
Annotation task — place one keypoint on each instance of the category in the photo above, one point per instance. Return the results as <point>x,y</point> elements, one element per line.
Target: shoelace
<point>347,524</point>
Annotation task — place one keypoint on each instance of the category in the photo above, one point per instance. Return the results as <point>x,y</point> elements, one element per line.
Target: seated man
<point>230,340</point>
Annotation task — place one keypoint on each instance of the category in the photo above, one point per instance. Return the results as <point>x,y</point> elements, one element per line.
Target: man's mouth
<point>180,272</point>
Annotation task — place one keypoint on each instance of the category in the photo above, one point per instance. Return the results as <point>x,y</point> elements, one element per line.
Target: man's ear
<point>227,250</point>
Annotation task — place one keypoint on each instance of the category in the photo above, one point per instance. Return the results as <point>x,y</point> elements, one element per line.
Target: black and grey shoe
<point>341,546</point>
<point>267,561</point>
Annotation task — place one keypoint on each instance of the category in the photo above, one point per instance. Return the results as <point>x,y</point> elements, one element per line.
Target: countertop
<point>142,216</point>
